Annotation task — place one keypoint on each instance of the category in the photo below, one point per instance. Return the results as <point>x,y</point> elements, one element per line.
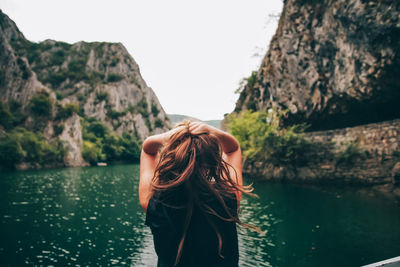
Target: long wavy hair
<point>193,163</point>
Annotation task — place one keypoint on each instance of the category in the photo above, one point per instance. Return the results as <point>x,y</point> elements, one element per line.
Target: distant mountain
<point>176,118</point>
<point>215,123</point>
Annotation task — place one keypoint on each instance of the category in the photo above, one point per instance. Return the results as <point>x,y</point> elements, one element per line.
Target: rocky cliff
<point>331,63</point>
<point>55,87</point>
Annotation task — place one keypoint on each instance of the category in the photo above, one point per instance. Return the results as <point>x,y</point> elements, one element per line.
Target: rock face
<point>17,81</point>
<point>90,80</point>
<point>331,63</point>
<point>106,82</point>
<point>72,137</point>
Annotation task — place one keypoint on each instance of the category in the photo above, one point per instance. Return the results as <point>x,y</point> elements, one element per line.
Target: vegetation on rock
<point>154,109</point>
<point>114,77</point>
<point>101,96</point>
<point>142,107</point>
<point>67,111</point>
<point>101,144</point>
<point>40,104</point>
<point>22,145</point>
<point>85,79</point>
<point>262,138</point>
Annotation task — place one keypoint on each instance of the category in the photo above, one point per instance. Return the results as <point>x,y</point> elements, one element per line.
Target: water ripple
<point>92,217</point>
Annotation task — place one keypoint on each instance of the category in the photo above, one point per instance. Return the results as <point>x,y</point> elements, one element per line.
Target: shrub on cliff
<point>6,118</point>
<point>58,129</point>
<point>263,139</point>
<point>158,123</point>
<point>154,109</point>
<point>98,129</point>
<point>114,77</point>
<point>113,114</point>
<point>11,152</point>
<point>54,78</point>
<point>101,96</point>
<point>58,57</point>
<point>11,114</point>
<point>142,107</point>
<point>40,104</point>
<point>67,111</point>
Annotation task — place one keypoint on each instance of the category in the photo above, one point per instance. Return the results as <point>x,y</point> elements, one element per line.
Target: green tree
<point>158,123</point>
<point>98,129</point>
<point>112,147</point>
<point>91,152</point>
<point>154,109</point>
<point>6,118</point>
<point>142,107</point>
<point>40,104</point>
<point>115,77</point>
<point>262,139</point>
<point>67,110</point>
<point>131,148</point>
<point>11,152</point>
<point>101,96</point>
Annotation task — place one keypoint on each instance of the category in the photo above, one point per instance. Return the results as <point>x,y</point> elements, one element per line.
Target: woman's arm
<point>148,164</point>
<point>149,158</point>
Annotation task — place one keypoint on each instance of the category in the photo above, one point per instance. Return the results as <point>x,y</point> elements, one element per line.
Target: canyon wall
<point>53,89</point>
<point>331,63</point>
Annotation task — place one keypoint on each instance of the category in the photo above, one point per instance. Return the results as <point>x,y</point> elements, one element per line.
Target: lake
<point>91,216</point>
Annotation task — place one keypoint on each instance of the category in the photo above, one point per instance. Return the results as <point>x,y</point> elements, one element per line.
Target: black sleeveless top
<point>201,242</point>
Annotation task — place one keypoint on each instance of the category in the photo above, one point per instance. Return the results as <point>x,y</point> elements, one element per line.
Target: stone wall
<point>362,155</point>
<point>380,139</point>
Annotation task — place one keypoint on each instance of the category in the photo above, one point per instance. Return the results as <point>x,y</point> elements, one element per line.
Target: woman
<point>190,188</point>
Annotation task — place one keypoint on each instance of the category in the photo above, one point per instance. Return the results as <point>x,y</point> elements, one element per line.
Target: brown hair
<point>194,164</point>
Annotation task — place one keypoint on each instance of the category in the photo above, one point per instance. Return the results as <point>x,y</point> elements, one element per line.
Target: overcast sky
<point>192,53</point>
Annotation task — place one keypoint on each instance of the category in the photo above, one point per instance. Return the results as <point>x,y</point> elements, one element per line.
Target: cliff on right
<point>335,66</point>
<point>331,63</point>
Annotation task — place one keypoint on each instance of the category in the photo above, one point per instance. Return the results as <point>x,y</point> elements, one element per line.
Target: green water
<point>91,216</point>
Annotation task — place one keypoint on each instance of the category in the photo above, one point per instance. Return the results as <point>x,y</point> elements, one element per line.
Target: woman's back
<point>201,242</point>
<point>190,187</point>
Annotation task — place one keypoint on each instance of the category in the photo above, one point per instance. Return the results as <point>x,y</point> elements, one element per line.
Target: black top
<point>201,242</point>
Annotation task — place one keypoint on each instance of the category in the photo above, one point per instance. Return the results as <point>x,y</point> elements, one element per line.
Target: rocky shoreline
<point>361,156</point>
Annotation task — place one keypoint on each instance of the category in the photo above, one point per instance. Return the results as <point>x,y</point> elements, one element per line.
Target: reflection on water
<point>86,216</point>
<point>91,216</point>
<point>318,227</point>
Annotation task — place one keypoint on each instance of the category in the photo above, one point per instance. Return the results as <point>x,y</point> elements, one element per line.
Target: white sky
<point>192,53</point>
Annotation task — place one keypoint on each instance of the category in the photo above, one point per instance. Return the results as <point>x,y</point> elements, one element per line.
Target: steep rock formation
<point>17,81</point>
<point>82,80</point>
<point>331,63</point>
<point>72,135</point>
<point>104,79</point>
